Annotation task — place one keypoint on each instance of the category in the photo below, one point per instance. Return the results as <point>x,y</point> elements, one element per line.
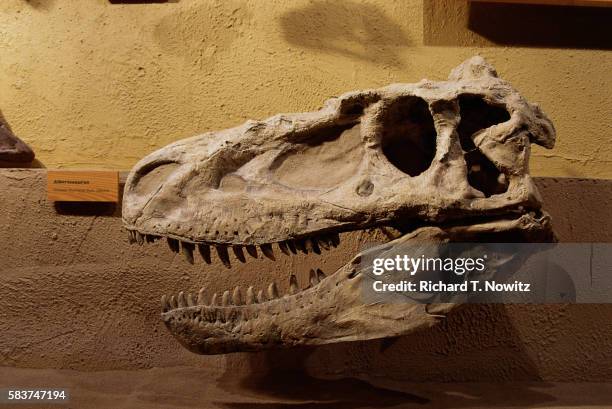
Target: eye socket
<point>477,114</point>
<point>409,138</point>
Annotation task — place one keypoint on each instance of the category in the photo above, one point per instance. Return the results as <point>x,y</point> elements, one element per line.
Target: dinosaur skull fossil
<point>437,161</point>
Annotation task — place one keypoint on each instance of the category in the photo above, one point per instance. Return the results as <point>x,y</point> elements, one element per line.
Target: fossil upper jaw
<point>431,152</point>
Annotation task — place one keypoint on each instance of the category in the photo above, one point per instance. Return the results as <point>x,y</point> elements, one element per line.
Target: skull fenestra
<point>435,161</point>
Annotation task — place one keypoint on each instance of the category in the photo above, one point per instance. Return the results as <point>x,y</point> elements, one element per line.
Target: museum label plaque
<point>82,186</point>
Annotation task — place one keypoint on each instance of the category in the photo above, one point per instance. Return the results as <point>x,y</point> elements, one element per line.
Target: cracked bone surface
<point>434,161</point>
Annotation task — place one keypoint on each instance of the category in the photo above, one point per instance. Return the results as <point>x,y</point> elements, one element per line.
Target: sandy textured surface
<point>189,387</point>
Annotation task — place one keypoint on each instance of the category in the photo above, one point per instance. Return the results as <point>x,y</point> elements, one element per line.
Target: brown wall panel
<point>74,294</point>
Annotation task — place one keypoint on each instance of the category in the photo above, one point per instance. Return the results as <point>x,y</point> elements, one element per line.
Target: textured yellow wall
<point>91,84</point>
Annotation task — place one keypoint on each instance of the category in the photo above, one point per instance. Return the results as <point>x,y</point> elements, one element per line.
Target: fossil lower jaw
<point>328,310</point>
<point>262,321</point>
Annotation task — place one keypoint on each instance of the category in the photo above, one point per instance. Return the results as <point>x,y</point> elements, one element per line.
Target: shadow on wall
<point>346,28</point>
<point>40,4</point>
<point>378,373</point>
<point>450,23</point>
<point>308,392</point>
<point>91,209</point>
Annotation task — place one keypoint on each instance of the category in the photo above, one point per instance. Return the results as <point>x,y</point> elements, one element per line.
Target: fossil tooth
<point>266,249</point>
<point>272,291</point>
<point>315,246</point>
<point>225,299</point>
<point>300,245</point>
<point>322,241</point>
<point>283,247</point>
<point>335,239</point>
<point>311,245</point>
<point>261,297</point>
<point>237,296</point>
<point>190,301</point>
<point>182,302</point>
<point>223,255</point>
<point>320,274</point>
<point>201,297</point>
<point>250,295</point>
<point>173,244</point>
<point>239,253</point>
<point>291,246</point>
<point>215,300</point>
<point>139,238</point>
<point>308,245</point>
<point>326,242</point>
<point>188,251</point>
<point>252,250</point>
<point>196,320</point>
<point>173,303</point>
<point>313,278</point>
<point>293,285</point>
<point>204,250</point>
<point>164,303</point>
